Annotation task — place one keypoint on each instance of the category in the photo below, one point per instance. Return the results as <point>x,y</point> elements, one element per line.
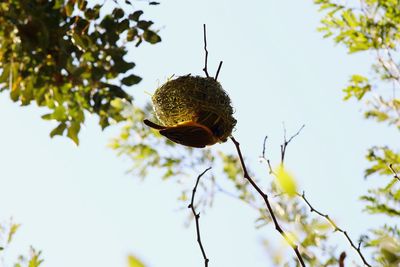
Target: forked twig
<point>205,69</point>
<point>265,198</point>
<point>286,142</point>
<point>336,228</point>
<point>205,49</point>
<point>197,218</point>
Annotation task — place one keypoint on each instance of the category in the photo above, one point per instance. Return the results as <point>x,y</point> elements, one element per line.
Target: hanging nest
<point>193,108</point>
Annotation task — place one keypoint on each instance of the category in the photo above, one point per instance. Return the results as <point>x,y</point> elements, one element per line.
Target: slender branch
<point>219,68</point>
<point>286,142</point>
<point>265,197</point>
<point>336,228</point>
<point>197,218</point>
<point>396,176</point>
<point>205,49</point>
<point>312,209</point>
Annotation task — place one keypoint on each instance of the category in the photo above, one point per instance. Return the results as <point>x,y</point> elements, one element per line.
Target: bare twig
<point>395,175</point>
<point>286,142</point>
<point>219,68</point>
<point>205,49</point>
<point>336,228</point>
<point>264,146</point>
<point>265,197</point>
<point>197,218</point>
<point>271,171</point>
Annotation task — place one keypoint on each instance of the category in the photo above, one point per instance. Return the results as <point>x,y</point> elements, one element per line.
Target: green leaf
<point>132,33</point>
<point>73,131</point>
<point>359,86</point>
<point>58,4</point>
<point>69,8</point>
<point>151,37</point>
<point>349,18</point>
<point>35,260</point>
<point>131,80</point>
<point>118,13</point>
<point>144,24</point>
<point>79,41</point>
<point>59,130</point>
<point>136,15</point>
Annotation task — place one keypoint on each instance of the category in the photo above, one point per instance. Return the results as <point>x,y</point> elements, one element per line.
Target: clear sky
<point>79,206</point>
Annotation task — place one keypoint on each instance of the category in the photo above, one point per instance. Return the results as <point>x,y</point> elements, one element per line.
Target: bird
<point>188,133</point>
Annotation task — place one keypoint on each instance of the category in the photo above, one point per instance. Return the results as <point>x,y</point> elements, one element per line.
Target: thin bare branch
<point>265,198</point>
<point>264,146</point>
<point>264,158</point>
<point>197,218</point>
<point>336,228</point>
<point>205,49</point>
<point>219,68</point>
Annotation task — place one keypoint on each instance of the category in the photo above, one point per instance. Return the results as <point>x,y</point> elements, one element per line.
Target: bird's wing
<point>190,134</point>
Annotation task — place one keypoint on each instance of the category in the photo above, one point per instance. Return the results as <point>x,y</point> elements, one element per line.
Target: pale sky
<point>78,205</point>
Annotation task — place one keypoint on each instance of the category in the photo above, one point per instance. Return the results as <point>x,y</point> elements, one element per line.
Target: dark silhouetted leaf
<point>131,80</point>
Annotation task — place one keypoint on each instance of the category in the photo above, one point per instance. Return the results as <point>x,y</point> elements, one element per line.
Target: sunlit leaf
<point>286,181</point>
<point>134,262</point>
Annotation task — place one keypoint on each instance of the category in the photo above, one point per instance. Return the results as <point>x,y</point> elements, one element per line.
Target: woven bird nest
<point>198,100</point>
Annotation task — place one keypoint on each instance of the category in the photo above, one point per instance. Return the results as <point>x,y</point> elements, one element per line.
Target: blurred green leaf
<point>13,229</point>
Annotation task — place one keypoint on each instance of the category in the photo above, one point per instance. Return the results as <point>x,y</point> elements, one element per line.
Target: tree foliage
<point>373,26</point>
<point>67,57</point>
